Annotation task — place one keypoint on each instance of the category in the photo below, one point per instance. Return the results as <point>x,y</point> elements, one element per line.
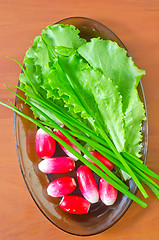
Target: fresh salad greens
<point>91,88</point>
<point>108,57</point>
<point>95,80</point>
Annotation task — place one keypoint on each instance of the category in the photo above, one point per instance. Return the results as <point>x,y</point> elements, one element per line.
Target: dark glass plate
<point>100,217</point>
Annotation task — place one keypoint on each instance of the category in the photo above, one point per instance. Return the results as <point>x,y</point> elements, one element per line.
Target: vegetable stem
<point>59,115</point>
<point>84,160</point>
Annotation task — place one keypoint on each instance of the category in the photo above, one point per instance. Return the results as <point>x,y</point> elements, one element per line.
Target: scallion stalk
<point>74,152</point>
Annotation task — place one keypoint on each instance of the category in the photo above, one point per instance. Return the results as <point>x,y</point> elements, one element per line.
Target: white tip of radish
<point>69,153</point>
<point>92,196</point>
<point>85,156</point>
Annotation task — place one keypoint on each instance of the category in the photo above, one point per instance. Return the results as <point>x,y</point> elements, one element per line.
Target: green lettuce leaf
<point>134,116</point>
<point>31,68</point>
<point>39,60</point>
<point>112,60</point>
<point>66,76</point>
<point>41,55</point>
<point>62,35</point>
<point>91,93</point>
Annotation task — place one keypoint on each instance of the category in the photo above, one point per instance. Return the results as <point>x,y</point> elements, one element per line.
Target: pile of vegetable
<point>91,88</point>
<point>65,185</point>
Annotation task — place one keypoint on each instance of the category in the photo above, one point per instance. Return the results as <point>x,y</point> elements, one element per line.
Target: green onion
<point>84,160</point>
<point>98,163</point>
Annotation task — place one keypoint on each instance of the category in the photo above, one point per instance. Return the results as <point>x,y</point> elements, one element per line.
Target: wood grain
<point>137,25</point>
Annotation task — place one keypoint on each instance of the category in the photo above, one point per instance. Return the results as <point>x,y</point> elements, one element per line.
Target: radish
<point>61,186</point>
<point>102,159</point>
<point>66,140</point>
<point>108,194</point>
<point>57,165</point>
<point>44,144</point>
<point>74,204</point>
<point>87,184</point>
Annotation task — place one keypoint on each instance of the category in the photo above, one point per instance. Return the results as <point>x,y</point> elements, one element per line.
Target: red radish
<point>61,186</point>
<point>87,184</point>
<point>74,204</point>
<point>108,194</point>
<point>57,165</point>
<point>66,140</point>
<point>102,159</point>
<point>44,144</point>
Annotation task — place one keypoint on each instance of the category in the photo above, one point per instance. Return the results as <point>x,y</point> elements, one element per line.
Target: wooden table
<point>137,25</point>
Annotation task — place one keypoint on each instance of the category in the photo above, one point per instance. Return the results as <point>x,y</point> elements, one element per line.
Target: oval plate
<point>100,217</point>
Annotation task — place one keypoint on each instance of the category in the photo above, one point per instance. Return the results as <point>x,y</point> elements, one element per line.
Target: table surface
<point>137,24</point>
